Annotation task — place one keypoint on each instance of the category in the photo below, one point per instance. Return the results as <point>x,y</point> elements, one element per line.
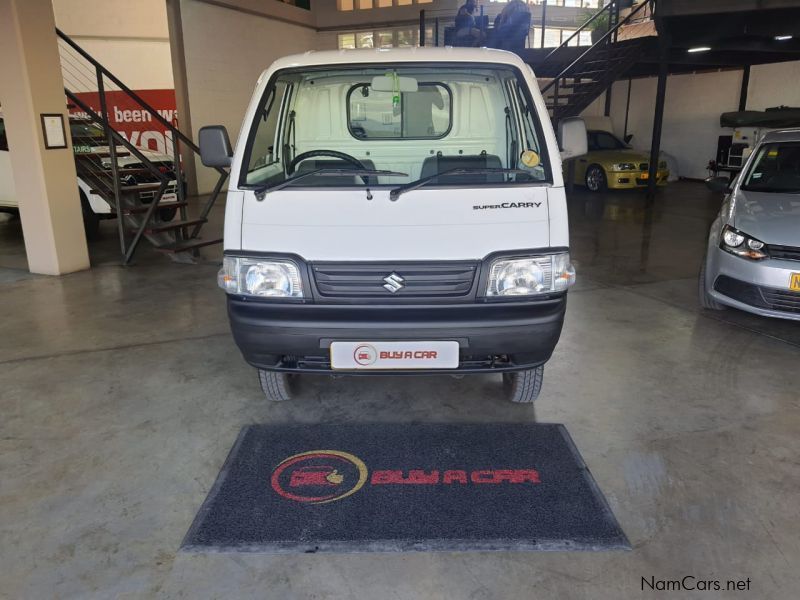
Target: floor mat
<point>402,487</point>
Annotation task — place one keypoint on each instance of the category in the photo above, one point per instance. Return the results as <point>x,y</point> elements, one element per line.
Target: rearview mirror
<point>215,146</point>
<point>719,184</point>
<point>390,83</point>
<point>572,137</point>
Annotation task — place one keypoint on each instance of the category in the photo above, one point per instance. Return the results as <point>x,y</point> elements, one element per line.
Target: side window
<point>3,137</point>
<point>604,141</point>
<point>424,114</point>
<point>266,150</point>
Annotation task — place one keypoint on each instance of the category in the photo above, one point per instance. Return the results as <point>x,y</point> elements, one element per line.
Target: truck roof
<point>399,55</point>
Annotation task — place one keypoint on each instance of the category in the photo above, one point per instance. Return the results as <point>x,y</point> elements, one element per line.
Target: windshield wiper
<point>262,190</point>
<point>395,193</point>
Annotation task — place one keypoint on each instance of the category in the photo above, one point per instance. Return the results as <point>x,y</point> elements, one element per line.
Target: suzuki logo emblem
<point>394,282</point>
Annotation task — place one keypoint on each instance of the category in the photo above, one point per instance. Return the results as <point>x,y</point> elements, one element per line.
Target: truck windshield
<point>416,120</point>
<point>775,168</point>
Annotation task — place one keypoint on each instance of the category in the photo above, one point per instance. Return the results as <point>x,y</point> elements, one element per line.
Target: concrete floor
<point>122,393</point>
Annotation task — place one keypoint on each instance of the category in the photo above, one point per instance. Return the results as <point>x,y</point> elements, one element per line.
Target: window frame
<point>548,180</point>
<point>356,86</point>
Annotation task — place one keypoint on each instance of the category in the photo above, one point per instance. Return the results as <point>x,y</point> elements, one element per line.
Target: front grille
<point>784,252</point>
<point>759,296</point>
<point>784,300</point>
<point>411,280</point>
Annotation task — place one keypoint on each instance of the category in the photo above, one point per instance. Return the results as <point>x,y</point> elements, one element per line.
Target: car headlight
<point>260,277</point>
<point>530,276</point>
<point>741,244</point>
<point>623,167</point>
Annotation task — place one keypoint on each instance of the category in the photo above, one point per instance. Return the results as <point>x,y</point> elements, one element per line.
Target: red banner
<point>132,120</point>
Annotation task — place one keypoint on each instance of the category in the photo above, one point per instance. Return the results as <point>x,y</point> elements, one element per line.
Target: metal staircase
<point>572,78</point>
<point>146,192</point>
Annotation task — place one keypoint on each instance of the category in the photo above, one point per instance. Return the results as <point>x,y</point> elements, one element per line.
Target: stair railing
<point>117,138</point>
<point>178,138</point>
<point>605,39</point>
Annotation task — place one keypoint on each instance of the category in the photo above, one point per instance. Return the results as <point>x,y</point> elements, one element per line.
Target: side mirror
<point>572,137</point>
<point>215,146</point>
<point>718,184</point>
<point>627,139</point>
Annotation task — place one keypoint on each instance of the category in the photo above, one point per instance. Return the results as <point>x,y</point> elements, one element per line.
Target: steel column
<point>112,157</point>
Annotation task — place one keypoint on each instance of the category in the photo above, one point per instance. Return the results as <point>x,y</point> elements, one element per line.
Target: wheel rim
<point>594,179</point>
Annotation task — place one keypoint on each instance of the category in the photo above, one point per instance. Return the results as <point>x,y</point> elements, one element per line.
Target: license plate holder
<point>395,355</point>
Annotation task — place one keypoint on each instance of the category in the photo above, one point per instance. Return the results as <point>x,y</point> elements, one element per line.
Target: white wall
<point>774,85</point>
<point>129,38</point>
<point>226,50</point>
<point>693,105</point>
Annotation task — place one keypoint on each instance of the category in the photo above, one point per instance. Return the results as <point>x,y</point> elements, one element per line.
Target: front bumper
<point>492,337</point>
<point>622,180</point>
<point>760,287</point>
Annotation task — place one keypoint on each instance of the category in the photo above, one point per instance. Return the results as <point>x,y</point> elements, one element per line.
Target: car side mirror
<point>572,139</point>
<point>719,184</point>
<point>627,139</point>
<point>215,146</point>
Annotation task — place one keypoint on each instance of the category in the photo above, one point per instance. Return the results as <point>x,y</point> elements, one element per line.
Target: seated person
<point>467,32</point>
<point>511,27</point>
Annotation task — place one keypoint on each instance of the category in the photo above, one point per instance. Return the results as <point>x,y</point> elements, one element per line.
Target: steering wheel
<point>332,153</point>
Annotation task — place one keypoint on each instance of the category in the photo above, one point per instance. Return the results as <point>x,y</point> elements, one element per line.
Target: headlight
<point>741,244</point>
<point>530,276</point>
<point>263,278</point>
<point>623,167</point>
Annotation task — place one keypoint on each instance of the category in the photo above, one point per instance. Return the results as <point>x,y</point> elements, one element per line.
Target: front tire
<point>167,214</point>
<point>596,179</point>
<point>523,387</point>
<point>91,221</point>
<point>706,301</point>
<point>276,385</point>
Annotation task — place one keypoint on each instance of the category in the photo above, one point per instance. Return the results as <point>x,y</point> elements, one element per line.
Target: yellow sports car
<point>612,164</point>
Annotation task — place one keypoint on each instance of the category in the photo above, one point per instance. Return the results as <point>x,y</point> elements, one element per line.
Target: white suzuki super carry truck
<point>397,211</point>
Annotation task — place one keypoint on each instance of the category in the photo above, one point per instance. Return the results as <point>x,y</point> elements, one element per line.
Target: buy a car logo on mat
<point>323,476</point>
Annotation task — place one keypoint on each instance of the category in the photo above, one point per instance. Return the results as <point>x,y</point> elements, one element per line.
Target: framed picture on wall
<point>55,135</point>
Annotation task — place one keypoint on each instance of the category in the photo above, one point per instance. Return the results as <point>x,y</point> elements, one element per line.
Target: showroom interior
<point>661,453</point>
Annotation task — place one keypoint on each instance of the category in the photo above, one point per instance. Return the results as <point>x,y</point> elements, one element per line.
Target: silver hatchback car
<point>753,256</point>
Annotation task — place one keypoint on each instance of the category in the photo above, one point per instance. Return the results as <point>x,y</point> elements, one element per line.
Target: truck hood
<point>771,218</point>
<point>424,224</point>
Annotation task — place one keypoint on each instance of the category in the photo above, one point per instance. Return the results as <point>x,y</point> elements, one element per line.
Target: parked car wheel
<point>167,214</point>
<point>91,221</point>
<point>523,387</point>
<point>596,179</point>
<point>277,386</point>
<point>706,301</point>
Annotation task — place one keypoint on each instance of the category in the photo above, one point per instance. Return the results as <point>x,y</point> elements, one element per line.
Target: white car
<point>397,211</point>
<point>90,146</point>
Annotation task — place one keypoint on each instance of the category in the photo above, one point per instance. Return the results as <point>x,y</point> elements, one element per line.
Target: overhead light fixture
<point>782,38</point>
<point>699,49</point>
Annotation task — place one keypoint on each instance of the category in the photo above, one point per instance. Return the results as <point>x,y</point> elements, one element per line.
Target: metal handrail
<point>610,32</point>
<point>163,180</point>
<point>177,137</point>
<point>153,112</point>
<point>578,30</point>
